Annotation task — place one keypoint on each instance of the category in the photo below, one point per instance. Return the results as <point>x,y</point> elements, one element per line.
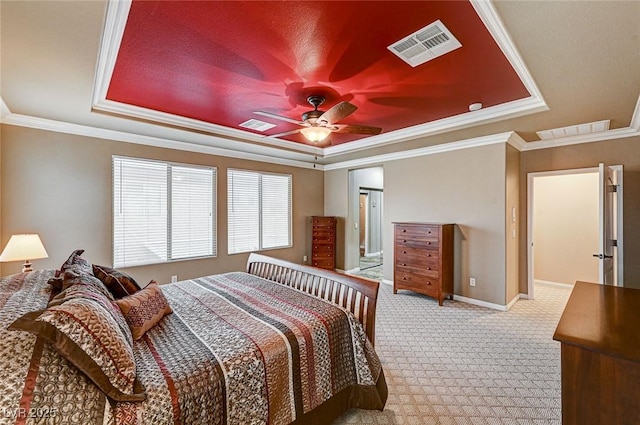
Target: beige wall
<point>565,228</point>
<point>512,192</point>
<point>625,152</point>
<point>59,186</point>
<point>466,187</point>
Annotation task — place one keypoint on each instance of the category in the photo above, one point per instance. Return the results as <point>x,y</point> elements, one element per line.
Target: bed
<point>278,343</point>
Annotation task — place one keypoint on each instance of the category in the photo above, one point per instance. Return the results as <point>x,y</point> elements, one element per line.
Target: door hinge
<point>614,242</point>
<point>613,187</point>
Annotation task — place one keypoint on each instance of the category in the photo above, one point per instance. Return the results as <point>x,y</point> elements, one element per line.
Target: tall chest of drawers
<point>323,242</point>
<point>423,259</point>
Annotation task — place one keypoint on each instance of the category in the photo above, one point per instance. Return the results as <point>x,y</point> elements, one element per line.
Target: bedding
<point>237,349</point>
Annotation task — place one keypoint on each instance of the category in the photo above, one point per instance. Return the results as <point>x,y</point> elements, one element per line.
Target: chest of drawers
<point>323,242</point>
<point>423,259</point>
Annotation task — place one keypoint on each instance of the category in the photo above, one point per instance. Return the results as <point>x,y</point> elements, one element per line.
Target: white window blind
<point>162,212</point>
<point>259,211</point>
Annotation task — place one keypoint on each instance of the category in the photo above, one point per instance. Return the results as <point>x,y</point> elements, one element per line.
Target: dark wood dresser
<point>599,332</point>
<point>423,258</point>
<point>323,242</point>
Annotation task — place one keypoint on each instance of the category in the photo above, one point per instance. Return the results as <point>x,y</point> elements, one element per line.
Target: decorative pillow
<point>76,275</point>
<point>144,309</point>
<point>119,283</point>
<point>83,331</point>
<point>75,259</point>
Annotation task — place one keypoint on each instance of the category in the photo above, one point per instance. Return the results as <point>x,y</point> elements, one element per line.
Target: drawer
<point>417,231</point>
<point>323,232</point>
<point>322,255</point>
<point>323,247</point>
<point>418,283</point>
<point>323,240</point>
<point>422,241</point>
<point>324,264</point>
<point>323,221</point>
<point>425,272</point>
<point>416,256</point>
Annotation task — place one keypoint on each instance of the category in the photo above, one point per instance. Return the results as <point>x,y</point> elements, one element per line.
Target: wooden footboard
<point>356,295</point>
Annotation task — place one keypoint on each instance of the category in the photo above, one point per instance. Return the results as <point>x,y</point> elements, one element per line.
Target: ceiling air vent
<point>574,130</point>
<point>257,125</point>
<point>425,44</point>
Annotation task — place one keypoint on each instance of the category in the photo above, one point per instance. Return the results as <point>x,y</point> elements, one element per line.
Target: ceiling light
<point>315,134</point>
<point>475,107</point>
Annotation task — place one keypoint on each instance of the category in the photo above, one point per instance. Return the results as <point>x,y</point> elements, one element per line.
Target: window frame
<point>260,209</point>
<point>168,200</point>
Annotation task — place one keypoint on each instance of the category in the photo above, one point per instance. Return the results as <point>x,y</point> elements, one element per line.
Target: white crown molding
<point>4,109</point>
<point>121,136</point>
<point>506,110</point>
<point>489,16</point>
<point>508,137</point>
<point>619,133</point>
<point>118,11</point>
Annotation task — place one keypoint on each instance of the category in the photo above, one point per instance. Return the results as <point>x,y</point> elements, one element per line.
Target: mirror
<point>370,228</point>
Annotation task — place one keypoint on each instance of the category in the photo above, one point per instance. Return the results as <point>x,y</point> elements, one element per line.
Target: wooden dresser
<point>599,332</point>
<point>323,242</point>
<point>423,259</point>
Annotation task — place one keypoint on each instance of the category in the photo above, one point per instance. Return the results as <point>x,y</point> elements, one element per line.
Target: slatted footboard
<point>356,295</point>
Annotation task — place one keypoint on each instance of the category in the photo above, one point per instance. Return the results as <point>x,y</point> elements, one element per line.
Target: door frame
<point>530,179</point>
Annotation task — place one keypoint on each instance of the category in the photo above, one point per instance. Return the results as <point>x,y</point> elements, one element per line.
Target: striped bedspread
<point>237,349</point>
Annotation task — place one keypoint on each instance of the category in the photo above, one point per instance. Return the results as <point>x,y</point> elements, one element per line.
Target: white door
<point>607,225</point>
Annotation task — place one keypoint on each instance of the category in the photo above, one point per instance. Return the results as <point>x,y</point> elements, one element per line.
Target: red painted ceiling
<point>221,61</point>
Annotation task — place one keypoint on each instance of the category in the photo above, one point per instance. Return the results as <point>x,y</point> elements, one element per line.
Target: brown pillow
<point>75,275</point>
<point>75,259</point>
<point>119,283</point>
<point>85,330</point>
<point>144,309</point>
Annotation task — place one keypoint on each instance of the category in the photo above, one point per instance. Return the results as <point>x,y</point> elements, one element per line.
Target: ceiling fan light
<point>315,134</point>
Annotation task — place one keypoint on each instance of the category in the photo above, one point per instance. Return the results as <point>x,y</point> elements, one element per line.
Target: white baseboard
<point>550,283</point>
<point>387,282</point>
<point>480,303</point>
<point>356,270</point>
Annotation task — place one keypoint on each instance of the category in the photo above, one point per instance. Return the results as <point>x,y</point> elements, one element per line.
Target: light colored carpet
<point>467,365</point>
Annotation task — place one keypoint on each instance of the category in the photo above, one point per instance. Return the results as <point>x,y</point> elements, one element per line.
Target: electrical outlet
<point>174,278</point>
<point>304,258</point>
<point>472,281</point>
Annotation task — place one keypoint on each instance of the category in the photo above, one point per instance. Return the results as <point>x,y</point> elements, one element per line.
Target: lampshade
<point>315,134</point>
<point>24,248</point>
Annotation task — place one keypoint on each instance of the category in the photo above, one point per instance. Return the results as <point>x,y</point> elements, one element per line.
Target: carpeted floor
<point>467,365</point>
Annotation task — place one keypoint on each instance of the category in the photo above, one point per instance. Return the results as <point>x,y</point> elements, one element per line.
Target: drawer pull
<point>404,230</point>
<point>428,283</point>
<point>404,252</point>
<point>404,278</point>
<point>404,264</point>
<point>404,240</point>
<point>428,243</point>
<point>428,268</point>
<point>428,255</point>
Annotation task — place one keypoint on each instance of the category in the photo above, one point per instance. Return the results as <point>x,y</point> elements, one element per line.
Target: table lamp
<point>24,248</point>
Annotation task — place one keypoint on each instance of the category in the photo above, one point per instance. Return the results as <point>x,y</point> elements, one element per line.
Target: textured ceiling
<point>580,57</point>
<point>219,62</point>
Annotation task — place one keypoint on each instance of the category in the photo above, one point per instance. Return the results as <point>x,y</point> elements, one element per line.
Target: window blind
<point>161,212</point>
<point>258,211</point>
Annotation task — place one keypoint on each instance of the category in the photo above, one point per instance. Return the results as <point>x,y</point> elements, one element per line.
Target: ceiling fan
<point>317,125</point>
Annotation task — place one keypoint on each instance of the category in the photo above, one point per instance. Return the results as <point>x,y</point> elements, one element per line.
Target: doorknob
<point>602,256</point>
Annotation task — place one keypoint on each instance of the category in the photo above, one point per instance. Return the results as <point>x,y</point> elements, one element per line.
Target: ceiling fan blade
<point>286,133</point>
<point>356,129</point>
<point>279,117</point>
<point>337,112</point>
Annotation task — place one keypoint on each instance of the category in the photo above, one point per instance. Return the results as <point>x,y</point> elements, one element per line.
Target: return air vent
<point>574,130</point>
<point>425,44</point>
<point>257,125</point>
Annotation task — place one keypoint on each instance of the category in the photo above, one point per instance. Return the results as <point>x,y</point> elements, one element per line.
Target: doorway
<point>574,229</point>
<point>370,228</point>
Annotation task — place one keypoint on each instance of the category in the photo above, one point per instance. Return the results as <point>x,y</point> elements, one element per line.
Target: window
<point>259,210</point>
<point>162,211</point>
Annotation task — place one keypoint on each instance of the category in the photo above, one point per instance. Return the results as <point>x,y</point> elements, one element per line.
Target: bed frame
<point>356,295</point>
